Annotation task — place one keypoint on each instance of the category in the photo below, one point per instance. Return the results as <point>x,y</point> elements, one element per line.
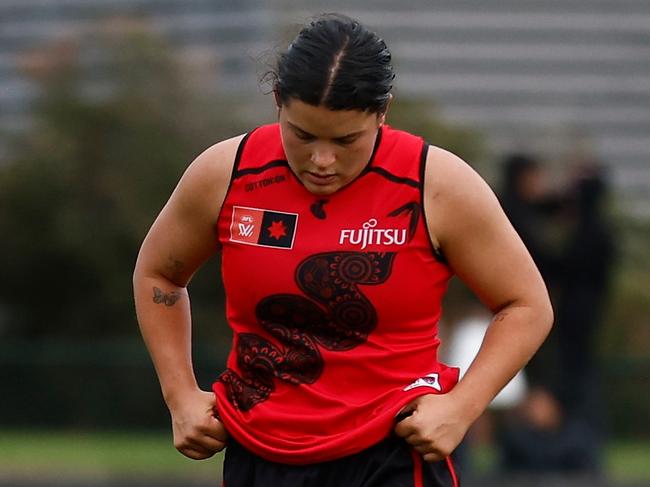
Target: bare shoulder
<point>468,226</point>
<point>184,231</point>
<point>206,179</point>
<point>213,165</point>
<point>450,178</point>
<point>456,197</point>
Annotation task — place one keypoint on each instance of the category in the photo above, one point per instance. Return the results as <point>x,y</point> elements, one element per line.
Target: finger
<point>204,444</point>
<point>405,412</point>
<point>405,427</point>
<point>219,436</point>
<point>196,454</point>
<point>402,430</point>
<point>211,444</point>
<point>423,448</point>
<point>432,457</point>
<point>196,443</point>
<point>216,430</point>
<point>414,439</point>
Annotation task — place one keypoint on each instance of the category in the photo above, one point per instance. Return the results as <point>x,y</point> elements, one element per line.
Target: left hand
<point>435,426</point>
<point>197,433</point>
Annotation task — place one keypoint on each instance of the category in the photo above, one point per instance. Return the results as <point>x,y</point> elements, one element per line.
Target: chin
<point>321,190</point>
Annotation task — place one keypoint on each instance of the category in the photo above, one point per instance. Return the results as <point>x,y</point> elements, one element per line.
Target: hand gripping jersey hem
<point>274,449</point>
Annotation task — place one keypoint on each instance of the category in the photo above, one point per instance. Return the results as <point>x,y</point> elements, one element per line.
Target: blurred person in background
<point>338,236</point>
<point>587,262</point>
<point>532,209</point>
<point>528,203</point>
<point>540,438</point>
<point>559,425</point>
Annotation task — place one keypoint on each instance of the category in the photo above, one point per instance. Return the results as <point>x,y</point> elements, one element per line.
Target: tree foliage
<point>421,117</point>
<point>117,122</point>
<point>86,183</point>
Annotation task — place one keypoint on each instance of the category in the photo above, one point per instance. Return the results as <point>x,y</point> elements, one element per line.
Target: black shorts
<point>389,463</point>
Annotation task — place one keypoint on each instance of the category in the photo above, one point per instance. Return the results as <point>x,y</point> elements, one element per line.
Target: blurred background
<point>103,103</point>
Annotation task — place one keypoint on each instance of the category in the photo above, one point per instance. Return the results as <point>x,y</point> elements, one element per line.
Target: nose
<point>323,156</point>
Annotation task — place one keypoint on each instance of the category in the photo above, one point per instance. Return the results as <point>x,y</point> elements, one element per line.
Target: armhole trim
<point>235,166</point>
<point>260,169</point>
<point>436,251</point>
<point>369,166</point>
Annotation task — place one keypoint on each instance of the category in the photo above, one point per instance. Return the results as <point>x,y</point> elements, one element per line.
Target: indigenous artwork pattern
<point>334,315</point>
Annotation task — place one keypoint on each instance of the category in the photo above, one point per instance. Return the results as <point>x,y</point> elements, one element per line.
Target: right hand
<point>197,433</point>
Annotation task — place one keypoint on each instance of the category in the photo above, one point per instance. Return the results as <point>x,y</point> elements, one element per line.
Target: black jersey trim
<point>238,156</point>
<point>369,167</point>
<point>240,151</point>
<point>261,169</point>
<point>396,179</point>
<point>383,172</point>
<point>380,132</point>
<point>235,165</point>
<point>437,252</point>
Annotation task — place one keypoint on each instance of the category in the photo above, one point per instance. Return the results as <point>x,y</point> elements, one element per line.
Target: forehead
<point>323,122</point>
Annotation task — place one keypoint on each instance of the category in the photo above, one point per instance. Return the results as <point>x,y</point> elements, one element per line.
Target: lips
<point>320,179</point>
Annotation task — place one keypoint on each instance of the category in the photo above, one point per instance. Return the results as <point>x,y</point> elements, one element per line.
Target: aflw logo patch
<point>369,235</point>
<point>265,228</point>
<point>430,380</point>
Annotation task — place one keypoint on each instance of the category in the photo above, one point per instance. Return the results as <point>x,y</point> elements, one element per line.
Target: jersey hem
<point>344,444</point>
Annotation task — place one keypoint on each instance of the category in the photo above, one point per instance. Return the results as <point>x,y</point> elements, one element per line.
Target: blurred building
<point>561,77</point>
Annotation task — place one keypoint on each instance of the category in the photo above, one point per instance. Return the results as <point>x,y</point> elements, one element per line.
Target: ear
<point>382,116</point>
<point>278,100</point>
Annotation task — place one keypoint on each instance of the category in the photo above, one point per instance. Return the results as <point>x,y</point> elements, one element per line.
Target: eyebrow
<point>342,137</point>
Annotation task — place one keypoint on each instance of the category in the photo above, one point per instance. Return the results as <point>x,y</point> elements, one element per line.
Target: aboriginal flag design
<point>265,228</point>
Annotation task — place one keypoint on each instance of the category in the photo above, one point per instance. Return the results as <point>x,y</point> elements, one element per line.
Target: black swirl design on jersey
<point>335,315</point>
<point>413,210</point>
<point>318,209</point>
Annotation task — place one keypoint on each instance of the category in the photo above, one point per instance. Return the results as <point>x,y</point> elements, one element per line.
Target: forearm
<point>513,337</point>
<point>163,310</point>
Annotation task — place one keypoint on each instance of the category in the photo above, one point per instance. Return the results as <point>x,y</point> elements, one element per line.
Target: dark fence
<point>112,385</point>
<point>107,384</point>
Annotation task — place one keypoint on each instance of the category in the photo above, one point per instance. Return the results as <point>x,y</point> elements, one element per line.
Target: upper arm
<point>184,235</point>
<point>467,223</point>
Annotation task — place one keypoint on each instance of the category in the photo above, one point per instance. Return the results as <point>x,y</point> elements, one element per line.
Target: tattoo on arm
<point>168,299</point>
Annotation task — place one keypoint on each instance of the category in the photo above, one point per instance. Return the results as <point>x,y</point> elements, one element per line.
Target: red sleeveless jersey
<point>334,302</point>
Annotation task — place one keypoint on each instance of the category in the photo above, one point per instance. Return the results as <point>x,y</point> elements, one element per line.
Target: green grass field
<point>70,454</point>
